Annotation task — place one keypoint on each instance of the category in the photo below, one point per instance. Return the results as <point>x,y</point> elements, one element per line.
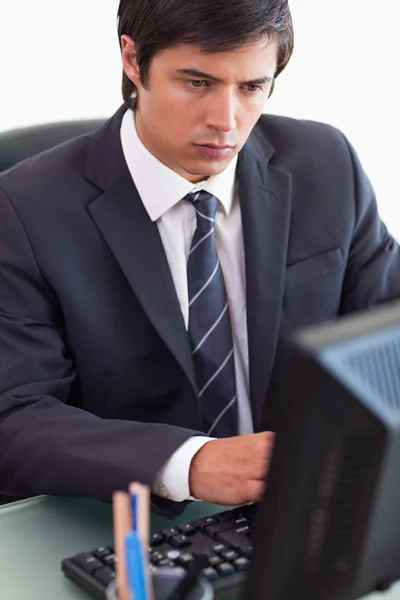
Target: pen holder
<point>164,581</point>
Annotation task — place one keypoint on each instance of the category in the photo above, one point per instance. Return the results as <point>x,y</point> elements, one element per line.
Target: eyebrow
<point>200,74</point>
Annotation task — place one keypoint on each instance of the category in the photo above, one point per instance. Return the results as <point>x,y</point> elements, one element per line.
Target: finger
<point>266,440</point>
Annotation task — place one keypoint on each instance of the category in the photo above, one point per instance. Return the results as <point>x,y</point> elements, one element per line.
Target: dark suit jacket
<point>96,378</point>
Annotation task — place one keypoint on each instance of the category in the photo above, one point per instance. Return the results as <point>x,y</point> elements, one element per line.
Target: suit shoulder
<point>299,137</point>
<point>47,172</point>
<point>277,126</point>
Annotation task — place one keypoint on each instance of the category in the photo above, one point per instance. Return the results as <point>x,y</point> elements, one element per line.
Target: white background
<point>60,60</point>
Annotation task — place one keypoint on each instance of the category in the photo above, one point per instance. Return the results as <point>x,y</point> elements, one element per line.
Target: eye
<point>194,83</point>
<point>256,88</point>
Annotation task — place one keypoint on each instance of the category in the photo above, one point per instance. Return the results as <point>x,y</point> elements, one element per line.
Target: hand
<point>232,471</point>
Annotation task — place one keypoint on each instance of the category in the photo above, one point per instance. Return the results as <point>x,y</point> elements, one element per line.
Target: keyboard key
<point>156,556</point>
<point>212,530</point>
<point>225,569</point>
<point>156,539</point>
<point>203,523</point>
<point>246,551</point>
<point>241,521</point>
<point>101,552</point>
<point>215,561</point>
<point>166,563</point>
<point>210,574</point>
<point>88,562</point>
<point>219,548</point>
<point>169,533</point>
<point>250,520</point>
<point>229,555</point>
<point>180,541</point>
<point>110,560</point>
<point>185,559</point>
<point>249,509</point>
<point>187,529</point>
<point>208,552</point>
<point>105,575</point>
<point>241,564</point>
<point>234,537</point>
<point>228,515</point>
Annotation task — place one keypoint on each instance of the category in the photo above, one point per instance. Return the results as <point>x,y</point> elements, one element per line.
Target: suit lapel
<point>135,242</point>
<point>265,199</point>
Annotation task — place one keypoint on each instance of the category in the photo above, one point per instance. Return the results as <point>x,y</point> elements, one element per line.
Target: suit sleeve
<point>373,268</point>
<point>46,445</point>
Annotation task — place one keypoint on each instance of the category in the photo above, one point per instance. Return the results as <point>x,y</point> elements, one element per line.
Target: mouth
<point>215,146</point>
<point>213,151</point>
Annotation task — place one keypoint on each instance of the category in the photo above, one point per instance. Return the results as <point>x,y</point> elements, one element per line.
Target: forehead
<point>251,61</point>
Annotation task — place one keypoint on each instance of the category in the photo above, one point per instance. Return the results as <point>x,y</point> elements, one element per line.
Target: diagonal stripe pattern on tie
<point>210,326</point>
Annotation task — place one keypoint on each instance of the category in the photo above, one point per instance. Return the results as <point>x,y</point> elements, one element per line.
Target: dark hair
<point>214,25</point>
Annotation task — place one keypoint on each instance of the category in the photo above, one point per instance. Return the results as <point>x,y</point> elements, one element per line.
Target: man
<point>150,270</point>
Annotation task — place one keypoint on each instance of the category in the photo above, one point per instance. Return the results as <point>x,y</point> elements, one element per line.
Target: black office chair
<point>18,144</point>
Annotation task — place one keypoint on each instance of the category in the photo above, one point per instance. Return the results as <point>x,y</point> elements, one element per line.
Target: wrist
<point>197,469</point>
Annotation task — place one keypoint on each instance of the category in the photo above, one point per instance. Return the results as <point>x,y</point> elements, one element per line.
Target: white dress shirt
<point>162,191</point>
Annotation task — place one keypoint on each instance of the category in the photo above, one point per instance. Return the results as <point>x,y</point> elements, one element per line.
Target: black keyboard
<point>225,539</point>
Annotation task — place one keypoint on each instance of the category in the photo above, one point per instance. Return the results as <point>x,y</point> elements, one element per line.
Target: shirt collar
<point>159,187</point>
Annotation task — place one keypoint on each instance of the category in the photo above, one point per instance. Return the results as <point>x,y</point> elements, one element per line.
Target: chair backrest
<point>18,144</point>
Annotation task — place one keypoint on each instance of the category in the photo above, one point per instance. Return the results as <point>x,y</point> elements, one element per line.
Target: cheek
<point>171,128</point>
<point>171,106</point>
<point>175,120</point>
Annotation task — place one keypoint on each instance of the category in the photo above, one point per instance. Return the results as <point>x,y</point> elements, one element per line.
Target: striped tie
<point>209,325</point>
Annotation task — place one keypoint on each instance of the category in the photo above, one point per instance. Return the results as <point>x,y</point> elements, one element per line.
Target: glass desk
<point>36,534</point>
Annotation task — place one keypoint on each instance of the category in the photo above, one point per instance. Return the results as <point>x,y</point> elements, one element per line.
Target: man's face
<point>196,101</point>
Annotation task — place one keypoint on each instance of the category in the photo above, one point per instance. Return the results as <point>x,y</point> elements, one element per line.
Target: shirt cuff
<point>172,480</point>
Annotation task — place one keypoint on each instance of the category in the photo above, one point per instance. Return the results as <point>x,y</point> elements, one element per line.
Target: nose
<point>221,111</point>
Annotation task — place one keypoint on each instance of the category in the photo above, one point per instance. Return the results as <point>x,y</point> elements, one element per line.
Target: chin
<point>207,168</point>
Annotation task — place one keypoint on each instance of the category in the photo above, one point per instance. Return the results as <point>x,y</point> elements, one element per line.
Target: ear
<point>129,60</point>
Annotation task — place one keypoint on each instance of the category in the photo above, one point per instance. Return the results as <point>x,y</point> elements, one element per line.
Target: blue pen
<point>134,505</point>
<point>140,509</point>
<point>135,566</point>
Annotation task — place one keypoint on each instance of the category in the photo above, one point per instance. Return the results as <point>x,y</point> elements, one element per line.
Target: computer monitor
<point>329,523</point>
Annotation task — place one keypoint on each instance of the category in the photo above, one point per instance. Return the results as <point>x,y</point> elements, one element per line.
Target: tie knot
<point>206,206</point>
